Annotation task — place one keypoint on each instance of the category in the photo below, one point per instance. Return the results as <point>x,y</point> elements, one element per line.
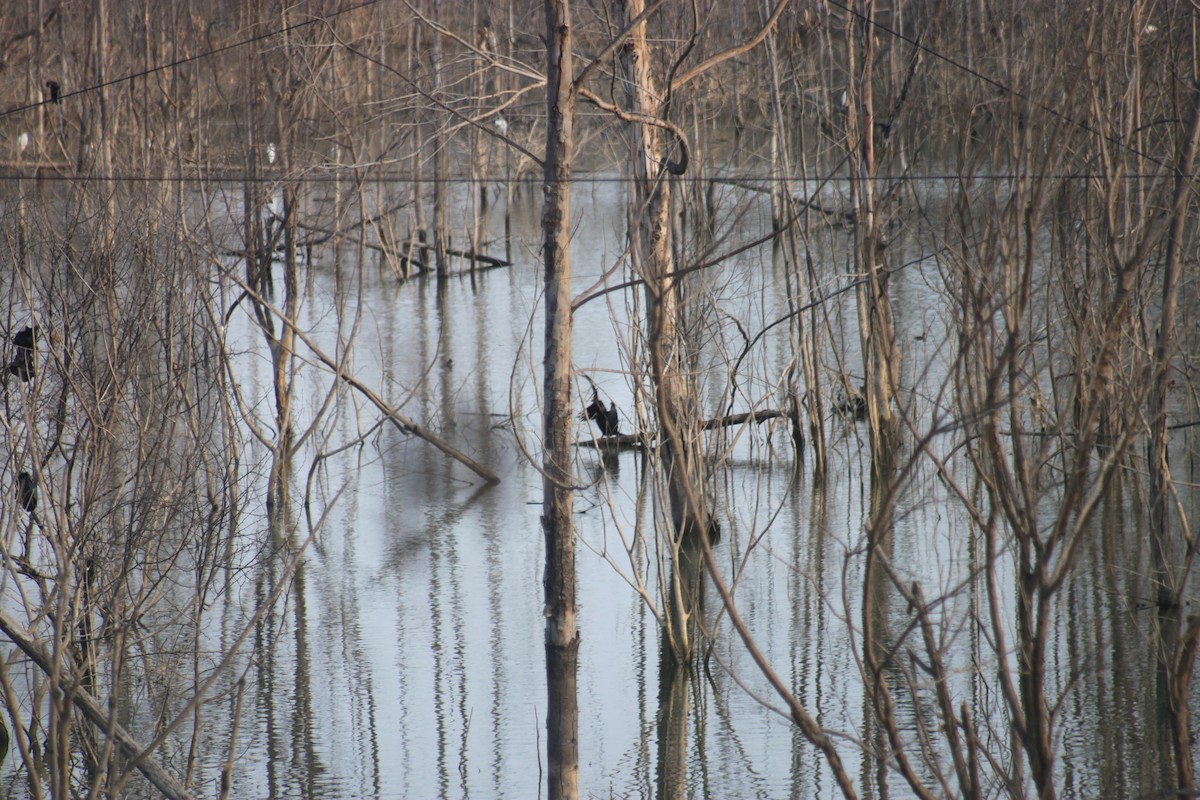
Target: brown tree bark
<point>881,359</point>
<point>562,637</point>
<point>651,240</point>
<point>1169,549</point>
<point>1172,551</point>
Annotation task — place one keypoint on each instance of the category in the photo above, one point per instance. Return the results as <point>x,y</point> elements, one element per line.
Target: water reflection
<point>407,659</point>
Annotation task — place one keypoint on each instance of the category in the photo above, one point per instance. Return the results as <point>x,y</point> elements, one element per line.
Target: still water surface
<point>406,661</point>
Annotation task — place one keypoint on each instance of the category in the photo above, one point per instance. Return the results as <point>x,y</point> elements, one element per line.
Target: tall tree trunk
<point>1168,547</point>
<point>783,209</point>
<point>650,247</point>
<point>439,157</point>
<point>1172,551</point>
<point>562,637</point>
<point>876,328</point>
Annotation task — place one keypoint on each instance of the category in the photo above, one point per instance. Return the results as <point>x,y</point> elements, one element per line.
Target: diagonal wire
<point>189,59</point>
<point>1117,140</point>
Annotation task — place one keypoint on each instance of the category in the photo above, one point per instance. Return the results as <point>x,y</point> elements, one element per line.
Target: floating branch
<point>637,440</point>
<point>739,419</point>
<point>399,420</point>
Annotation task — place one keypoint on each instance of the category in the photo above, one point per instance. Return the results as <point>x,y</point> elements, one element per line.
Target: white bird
<point>501,125</point>
<point>22,142</point>
<point>271,153</point>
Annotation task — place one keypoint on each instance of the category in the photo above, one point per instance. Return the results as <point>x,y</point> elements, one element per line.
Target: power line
<point>1118,141</point>
<point>741,181</point>
<point>60,96</point>
<point>916,43</point>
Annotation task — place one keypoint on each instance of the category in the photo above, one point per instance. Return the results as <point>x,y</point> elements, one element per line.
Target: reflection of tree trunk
<point>876,636</point>
<point>265,653</point>
<point>562,637</point>
<point>304,752</point>
<point>674,696</point>
<point>685,614</point>
<point>684,600</point>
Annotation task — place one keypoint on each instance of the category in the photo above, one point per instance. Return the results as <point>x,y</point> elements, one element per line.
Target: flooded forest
<point>609,398</point>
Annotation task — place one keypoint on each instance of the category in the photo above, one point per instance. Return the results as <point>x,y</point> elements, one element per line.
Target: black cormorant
<point>55,90</point>
<point>605,418</point>
<point>22,363</point>
<point>27,492</point>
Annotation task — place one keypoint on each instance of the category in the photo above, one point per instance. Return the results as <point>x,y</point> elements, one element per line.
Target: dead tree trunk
<point>439,158</point>
<point>876,327</point>
<point>651,253</point>
<point>1172,551</point>
<point>650,239</point>
<point>1168,547</point>
<point>562,637</point>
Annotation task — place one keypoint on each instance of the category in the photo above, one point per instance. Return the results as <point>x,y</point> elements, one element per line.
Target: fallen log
<point>397,251</point>
<point>469,255</point>
<point>739,419</point>
<point>399,420</point>
<point>631,440</point>
<point>620,441</point>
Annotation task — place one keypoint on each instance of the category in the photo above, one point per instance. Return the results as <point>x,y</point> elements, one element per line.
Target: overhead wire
<point>329,173</point>
<point>916,43</point>
<point>65,95</point>
<point>889,31</point>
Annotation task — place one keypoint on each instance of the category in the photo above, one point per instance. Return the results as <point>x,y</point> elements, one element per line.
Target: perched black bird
<point>55,91</point>
<point>605,418</point>
<point>22,363</point>
<point>27,492</point>
<point>853,407</point>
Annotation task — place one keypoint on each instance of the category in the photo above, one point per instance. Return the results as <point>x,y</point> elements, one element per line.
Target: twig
<point>95,713</point>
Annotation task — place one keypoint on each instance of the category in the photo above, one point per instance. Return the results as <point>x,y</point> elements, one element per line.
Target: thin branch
<point>732,52</point>
<point>96,713</point>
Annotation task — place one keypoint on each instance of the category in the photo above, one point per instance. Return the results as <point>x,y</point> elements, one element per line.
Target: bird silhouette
<point>55,90</point>
<point>27,492</point>
<point>22,363</point>
<point>605,418</point>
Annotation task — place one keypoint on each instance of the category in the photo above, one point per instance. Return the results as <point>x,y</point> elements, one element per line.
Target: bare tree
<point>562,636</point>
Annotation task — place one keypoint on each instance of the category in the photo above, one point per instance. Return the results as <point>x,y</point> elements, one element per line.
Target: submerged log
<point>399,420</point>
<point>739,419</point>
<point>637,440</point>
<point>621,441</point>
